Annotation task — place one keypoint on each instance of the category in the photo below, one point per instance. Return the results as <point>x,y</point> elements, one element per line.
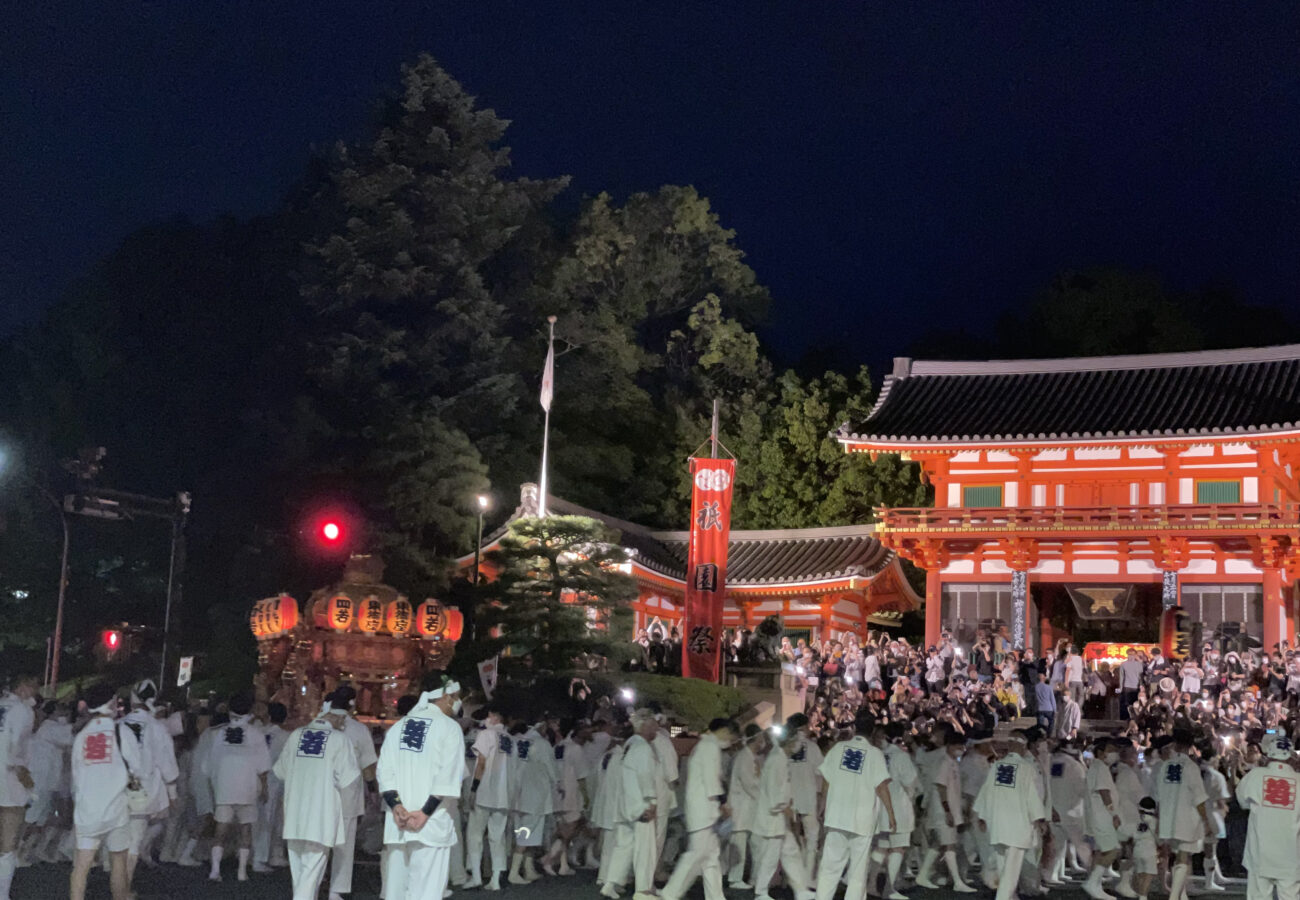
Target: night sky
<point>887,167</point>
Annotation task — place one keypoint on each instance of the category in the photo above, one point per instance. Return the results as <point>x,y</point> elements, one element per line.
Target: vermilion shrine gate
<point>1103,489</point>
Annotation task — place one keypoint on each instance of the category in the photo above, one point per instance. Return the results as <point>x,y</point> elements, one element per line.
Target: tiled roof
<point>1210,393</point>
<point>755,558</point>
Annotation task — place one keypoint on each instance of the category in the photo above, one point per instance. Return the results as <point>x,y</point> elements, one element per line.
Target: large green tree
<point>407,353</point>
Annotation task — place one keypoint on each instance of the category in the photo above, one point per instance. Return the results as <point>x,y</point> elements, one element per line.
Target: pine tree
<point>561,593</point>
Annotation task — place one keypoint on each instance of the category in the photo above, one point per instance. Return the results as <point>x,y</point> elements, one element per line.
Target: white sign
<point>712,479</point>
<point>487,675</point>
<point>184,671</point>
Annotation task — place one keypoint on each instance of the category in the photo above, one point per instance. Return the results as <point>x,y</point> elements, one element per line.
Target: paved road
<point>47,882</point>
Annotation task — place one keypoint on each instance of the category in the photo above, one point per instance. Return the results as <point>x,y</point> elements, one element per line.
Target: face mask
<point>29,702</point>
<point>456,708</point>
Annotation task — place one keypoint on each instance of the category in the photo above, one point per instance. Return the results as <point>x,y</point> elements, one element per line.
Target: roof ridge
<point>923,367</point>
<point>774,534</point>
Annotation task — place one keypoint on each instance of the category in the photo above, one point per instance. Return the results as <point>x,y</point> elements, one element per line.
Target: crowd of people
<point>903,773</point>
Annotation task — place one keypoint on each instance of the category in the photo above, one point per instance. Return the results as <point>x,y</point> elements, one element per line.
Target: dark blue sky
<point>886,166</point>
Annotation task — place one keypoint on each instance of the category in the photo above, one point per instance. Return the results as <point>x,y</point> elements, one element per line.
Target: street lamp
<point>483,502</point>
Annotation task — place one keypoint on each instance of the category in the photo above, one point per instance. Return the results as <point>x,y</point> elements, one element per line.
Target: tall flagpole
<point>548,391</point>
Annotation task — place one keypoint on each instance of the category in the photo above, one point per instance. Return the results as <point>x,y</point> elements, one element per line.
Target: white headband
<point>106,710</point>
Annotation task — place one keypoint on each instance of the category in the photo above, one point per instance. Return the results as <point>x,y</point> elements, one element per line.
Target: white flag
<point>487,675</point>
<point>184,671</point>
<point>548,378</point>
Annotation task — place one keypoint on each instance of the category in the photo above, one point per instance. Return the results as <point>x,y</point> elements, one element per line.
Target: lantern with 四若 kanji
<point>431,620</point>
<point>370,615</point>
<point>398,617</point>
<point>339,612</point>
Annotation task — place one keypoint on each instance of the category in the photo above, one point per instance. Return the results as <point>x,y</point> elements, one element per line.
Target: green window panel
<point>981,495</point>
<point>1218,492</point>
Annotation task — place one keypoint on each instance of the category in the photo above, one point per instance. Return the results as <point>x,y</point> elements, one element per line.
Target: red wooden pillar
<point>933,607</point>
<point>1274,610</point>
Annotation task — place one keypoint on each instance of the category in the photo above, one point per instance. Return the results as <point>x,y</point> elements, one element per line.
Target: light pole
<point>483,502</point>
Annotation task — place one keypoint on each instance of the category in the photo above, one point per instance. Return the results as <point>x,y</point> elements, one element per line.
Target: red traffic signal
<point>112,640</point>
<point>331,531</point>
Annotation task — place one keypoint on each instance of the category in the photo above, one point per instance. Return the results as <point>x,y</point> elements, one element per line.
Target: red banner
<point>706,566</point>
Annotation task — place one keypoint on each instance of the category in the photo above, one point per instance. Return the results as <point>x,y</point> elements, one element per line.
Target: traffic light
<point>112,640</point>
<point>331,532</point>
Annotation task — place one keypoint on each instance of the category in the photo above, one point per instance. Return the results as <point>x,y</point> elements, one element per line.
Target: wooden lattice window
<point>981,495</point>
<point>1218,492</point>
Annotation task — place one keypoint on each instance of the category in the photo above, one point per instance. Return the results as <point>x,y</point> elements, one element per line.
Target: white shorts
<point>894,840</point>
<point>243,813</point>
<point>115,841</point>
<point>1144,857</point>
<point>1104,839</point>
<point>529,829</point>
<point>945,835</point>
<point>12,792</point>
<point>1189,847</point>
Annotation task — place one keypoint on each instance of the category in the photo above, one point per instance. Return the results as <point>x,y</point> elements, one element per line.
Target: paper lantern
<point>398,618</point>
<point>455,625</point>
<point>257,619</point>
<point>370,617</point>
<point>431,619</point>
<point>281,614</point>
<point>339,612</point>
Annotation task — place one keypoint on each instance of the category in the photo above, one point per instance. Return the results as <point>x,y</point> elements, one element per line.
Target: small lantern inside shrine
<point>398,618</point>
<point>370,616</point>
<point>455,625</point>
<point>431,619</point>
<point>340,611</point>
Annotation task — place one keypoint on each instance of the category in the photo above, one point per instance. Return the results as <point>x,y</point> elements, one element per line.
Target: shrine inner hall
<point>1078,494</point>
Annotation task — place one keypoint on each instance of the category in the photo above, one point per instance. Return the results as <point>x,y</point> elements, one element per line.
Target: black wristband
<point>391,798</point>
<point>430,805</point>
<point>474,786</point>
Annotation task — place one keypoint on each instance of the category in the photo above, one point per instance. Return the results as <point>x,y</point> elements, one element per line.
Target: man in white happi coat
<point>421,765</point>
<point>742,796</point>
<point>534,800</point>
<point>806,786</point>
<point>315,764</point>
<point>774,824</point>
<point>200,787</point>
<point>1069,792</point>
<point>571,764</point>
<point>1101,816</point>
<point>974,769</point>
<point>666,760</point>
<point>892,843</point>
<point>341,703</point>
<point>857,787</point>
<point>237,762</point>
<point>1010,809</point>
<point>1184,820</point>
<point>490,800</point>
<point>268,842</point>
<point>1271,794</point>
<point>158,773</point>
<point>1129,791</point>
<point>101,763</point>
<point>943,814</point>
<point>706,805</point>
<point>1217,796</point>
<point>17,720</point>
<point>605,804</point>
<point>47,816</point>
<point>641,789</point>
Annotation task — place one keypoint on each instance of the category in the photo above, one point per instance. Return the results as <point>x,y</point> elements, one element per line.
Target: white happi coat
<point>494,747</point>
<point>1179,790</point>
<point>666,760</point>
<point>853,769</point>
<point>16,722</point>
<point>1097,817</point>
<point>743,789</point>
<point>640,780</point>
<point>606,800</point>
<point>704,784</point>
<point>49,757</point>
<point>536,774</point>
<point>945,783</point>
<point>1069,788</point>
<point>805,764</point>
<point>572,765</point>
<point>1272,795</point>
<point>1010,801</point>
<point>99,767</point>
<point>363,748</point>
<point>157,756</point>
<point>423,755</point>
<point>903,777</point>
<point>235,759</point>
<point>773,795</point>
<point>316,763</point>
<point>1128,792</point>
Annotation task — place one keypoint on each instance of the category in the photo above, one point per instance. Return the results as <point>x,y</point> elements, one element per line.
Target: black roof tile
<point>1158,395</point>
